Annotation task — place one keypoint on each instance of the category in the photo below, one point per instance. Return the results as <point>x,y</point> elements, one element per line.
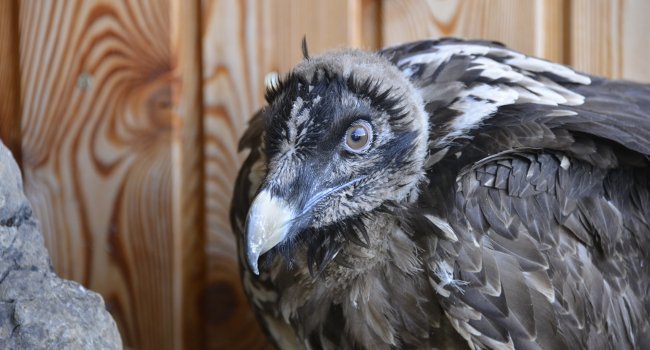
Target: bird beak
<point>267,224</point>
<point>271,219</point>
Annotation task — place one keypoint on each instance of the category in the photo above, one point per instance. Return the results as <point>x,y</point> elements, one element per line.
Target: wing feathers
<point>555,258</point>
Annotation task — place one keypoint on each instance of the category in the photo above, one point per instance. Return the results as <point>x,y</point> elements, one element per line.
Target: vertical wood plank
<point>188,167</point>
<point>610,38</point>
<point>242,42</point>
<point>594,37</point>
<point>112,160</point>
<point>10,78</point>
<point>534,27</point>
<point>370,26</point>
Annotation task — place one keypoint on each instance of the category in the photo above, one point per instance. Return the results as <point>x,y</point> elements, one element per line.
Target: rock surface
<point>39,310</point>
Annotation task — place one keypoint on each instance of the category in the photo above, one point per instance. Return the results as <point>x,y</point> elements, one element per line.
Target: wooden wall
<point>10,130</point>
<point>112,156</point>
<point>126,116</point>
<point>610,38</point>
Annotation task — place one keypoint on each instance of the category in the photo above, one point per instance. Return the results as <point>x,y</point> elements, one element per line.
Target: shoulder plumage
<point>463,83</point>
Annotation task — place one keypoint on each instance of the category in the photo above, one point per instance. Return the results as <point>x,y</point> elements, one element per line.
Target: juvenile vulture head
<point>345,133</point>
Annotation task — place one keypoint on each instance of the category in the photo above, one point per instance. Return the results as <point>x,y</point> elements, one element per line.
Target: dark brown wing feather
<point>561,259</point>
<point>553,245</point>
<point>548,201</point>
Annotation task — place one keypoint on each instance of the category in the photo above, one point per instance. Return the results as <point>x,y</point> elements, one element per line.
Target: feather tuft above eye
<point>305,51</point>
<point>380,97</point>
<point>276,86</point>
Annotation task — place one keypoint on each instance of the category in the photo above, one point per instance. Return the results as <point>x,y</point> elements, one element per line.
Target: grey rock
<point>39,310</point>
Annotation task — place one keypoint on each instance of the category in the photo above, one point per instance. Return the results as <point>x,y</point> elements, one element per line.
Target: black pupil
<point>358,134</point>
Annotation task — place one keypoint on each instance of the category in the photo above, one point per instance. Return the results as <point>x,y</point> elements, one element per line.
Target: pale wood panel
<point>365,16</point>
<point>610,38</point>
<point>534,27</point>
<point>9,77</point>
<point>188,167</point>
<point>108,127</point>
<point>242,42</point>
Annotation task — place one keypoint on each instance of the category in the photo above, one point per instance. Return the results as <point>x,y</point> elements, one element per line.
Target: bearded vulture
<point>447,194</point>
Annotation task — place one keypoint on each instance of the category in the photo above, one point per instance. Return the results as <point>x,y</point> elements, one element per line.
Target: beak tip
<point>252,263</point>
<point>266,226</point>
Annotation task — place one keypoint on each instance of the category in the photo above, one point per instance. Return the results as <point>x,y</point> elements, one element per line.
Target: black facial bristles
<point>321,252</point>
<point>291,82</point>
<point>324,244</point>
<point>355,231</point>
<point>379,99</point>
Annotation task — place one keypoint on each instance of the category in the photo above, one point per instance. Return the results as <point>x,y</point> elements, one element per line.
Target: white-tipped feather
<point>518,79</point>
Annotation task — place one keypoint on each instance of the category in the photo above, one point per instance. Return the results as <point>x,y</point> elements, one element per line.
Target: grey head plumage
<point>447,194</point>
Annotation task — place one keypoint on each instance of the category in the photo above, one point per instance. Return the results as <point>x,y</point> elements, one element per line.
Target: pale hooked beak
<point>267,224</point>
<point>271,218</point>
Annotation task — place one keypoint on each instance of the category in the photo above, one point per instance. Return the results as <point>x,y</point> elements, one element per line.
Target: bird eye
<point>358,137</point>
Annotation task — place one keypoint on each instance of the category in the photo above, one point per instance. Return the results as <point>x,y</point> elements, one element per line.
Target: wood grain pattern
<point>10,78</point>
<point>188,162</point>
<point>369,12</point>
<point>534,27</point>
<point>610,38</point>
<point>242,42</point>
<point>110,92</point>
